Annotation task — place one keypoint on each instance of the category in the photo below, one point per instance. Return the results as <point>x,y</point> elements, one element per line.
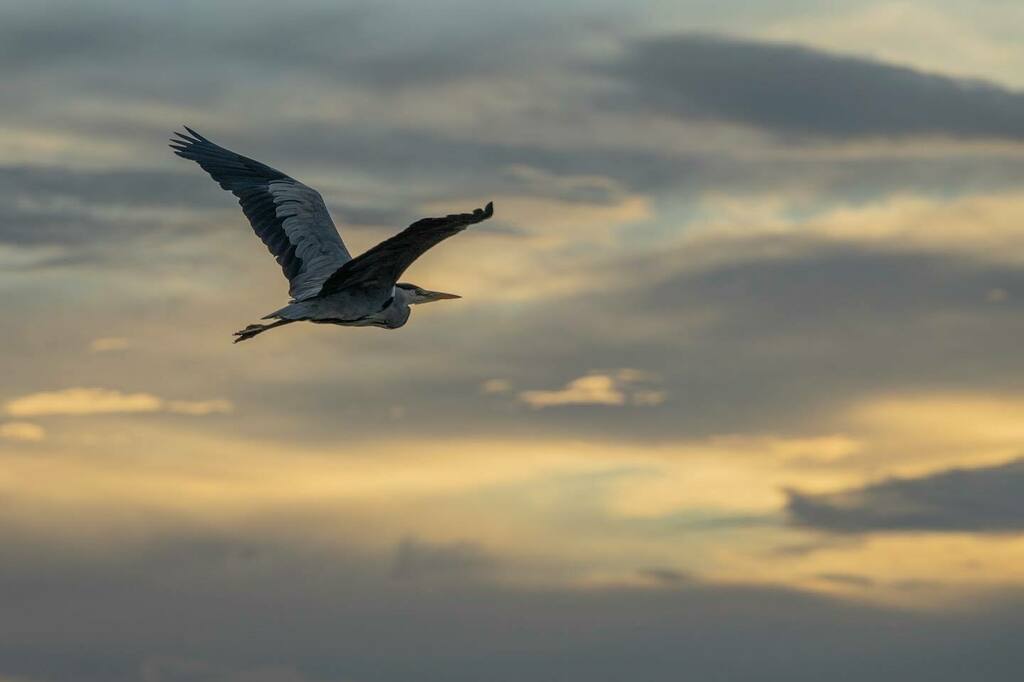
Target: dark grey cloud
<point>215,60</point>
<point>985,500</point>
<point>51,34</point>
<point>175,669</point>
<point>819,544</point>
<point>667,577</point>
<point>99,216</point>
<point>125,187</point>
<point>426,163</point>
<point>195,607</point>
<point>204,55</point>
<point>746,343</point>
<point>847,579</point>
<point>750,345</point>
<point>789,340</point>
<point>416,559</point>
<point>793,337</point>
<point>89,211</point>
<point>799,91</point>
<point>373,48</point>
<point>212,61</point>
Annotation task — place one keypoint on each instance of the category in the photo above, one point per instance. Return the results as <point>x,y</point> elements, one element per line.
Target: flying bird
<point>327,285</point>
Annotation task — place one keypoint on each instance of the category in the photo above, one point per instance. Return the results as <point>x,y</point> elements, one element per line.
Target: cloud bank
<point>797,91</point>
<point>984,500</point>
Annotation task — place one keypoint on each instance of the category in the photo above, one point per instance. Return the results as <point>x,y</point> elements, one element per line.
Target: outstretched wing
<point>382,265</point>
<point>288,216</point>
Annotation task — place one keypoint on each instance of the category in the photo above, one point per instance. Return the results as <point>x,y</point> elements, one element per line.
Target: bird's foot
<point>249,332</point>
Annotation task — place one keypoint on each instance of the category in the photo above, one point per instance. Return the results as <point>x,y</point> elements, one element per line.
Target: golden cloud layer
<point>988,226</point>
<point>708,506</point>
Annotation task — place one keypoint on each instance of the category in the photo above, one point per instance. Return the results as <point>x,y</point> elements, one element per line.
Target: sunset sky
<point>735,390</point>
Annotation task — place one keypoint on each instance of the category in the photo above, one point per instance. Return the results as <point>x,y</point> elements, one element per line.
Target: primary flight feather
<point>327,285</point>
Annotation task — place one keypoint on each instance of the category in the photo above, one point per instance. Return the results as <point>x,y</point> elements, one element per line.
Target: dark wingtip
<point>181,143</point>
<point>485,212</point>
<point>194,134</point>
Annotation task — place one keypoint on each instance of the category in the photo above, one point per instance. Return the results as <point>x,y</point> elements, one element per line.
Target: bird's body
<point>328,286</point>
<point>351,308</point>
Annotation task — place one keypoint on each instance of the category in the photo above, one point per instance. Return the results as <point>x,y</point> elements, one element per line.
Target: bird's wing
<point>382,265</point>
<point>290,218</point>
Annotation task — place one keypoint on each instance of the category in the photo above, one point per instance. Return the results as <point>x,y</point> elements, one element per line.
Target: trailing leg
<point>254,329</point>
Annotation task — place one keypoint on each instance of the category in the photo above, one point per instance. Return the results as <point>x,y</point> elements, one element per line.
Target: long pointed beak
<point>440,296</point>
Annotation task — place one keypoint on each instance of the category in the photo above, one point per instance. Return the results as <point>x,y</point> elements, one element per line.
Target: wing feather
<point>288,216</point>
<point>381,266</point>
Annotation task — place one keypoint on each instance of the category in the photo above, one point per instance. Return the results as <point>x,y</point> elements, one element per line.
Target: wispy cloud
<point>90,401</point>
<point>109,343</point>
<point>22,431</point>
<point>616,388</point>
<point>492,386</point>
<point>198,408</point>
<point>82,401</point>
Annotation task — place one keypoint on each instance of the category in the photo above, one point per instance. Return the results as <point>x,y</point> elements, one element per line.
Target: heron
<point>326,284</point>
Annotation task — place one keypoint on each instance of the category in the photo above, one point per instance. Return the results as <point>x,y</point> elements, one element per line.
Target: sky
<point>734,391</point>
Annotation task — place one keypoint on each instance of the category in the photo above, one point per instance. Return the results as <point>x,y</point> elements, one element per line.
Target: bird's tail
<point>296,310</point>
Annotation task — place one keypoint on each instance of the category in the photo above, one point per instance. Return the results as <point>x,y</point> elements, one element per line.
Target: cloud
<point>492,386</point>
<point>847,579</point>
<point>538,182</point>
<point>346,619</point>
<point>666,577</point>
<point>88,401</point>
<point>416,559</point>
<point>794,90</point>
<point>82,401</point>
<point>647,397</point>
<point>105,344</point>
<point>161,669</point>
<point>22,431</point>
<point>996,295</point>
<point>728,323</point>
<point>985,225</point>
<point>928,36</point>
<point>599,388</point>
<point>198,408</point>
<point>100,209</point>
<point>982,500</point>
<point>596,389</point>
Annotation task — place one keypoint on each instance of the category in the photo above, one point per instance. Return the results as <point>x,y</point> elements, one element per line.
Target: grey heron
<point>327,285</point>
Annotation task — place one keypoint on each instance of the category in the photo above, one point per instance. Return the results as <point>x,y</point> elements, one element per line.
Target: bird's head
<point>417,294</point>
